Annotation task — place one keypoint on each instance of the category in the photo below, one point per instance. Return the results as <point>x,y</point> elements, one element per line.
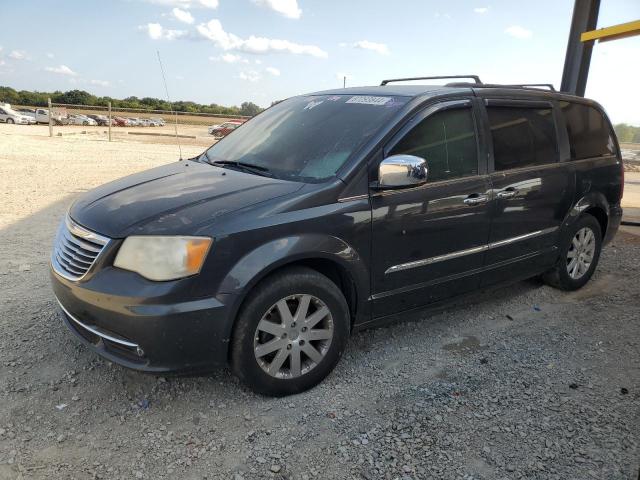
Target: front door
<point>533,190</point>
<point>428,242</point>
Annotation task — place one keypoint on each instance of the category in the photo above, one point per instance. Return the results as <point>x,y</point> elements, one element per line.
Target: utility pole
<point>50,118</point>
<point>109,121</point>
<point>344,82</point>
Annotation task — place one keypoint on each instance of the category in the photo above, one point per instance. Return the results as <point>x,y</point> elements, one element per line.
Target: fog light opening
<point>140,352</point>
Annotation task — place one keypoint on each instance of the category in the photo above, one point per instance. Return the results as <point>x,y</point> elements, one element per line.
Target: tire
<point>324,340</point>
<point>85,123</point>
<point>572,276</point>
<point>10,121</point>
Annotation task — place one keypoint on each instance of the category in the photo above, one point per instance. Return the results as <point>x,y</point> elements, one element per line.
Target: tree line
<point>627,133</point>
<point>80,97</point>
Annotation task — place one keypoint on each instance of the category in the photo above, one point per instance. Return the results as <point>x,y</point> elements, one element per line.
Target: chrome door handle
<point>476,200</point>
<point>506,194</point>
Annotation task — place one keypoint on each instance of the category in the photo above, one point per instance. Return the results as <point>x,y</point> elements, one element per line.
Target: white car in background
<point>78,119</point>
<point>8,115</point>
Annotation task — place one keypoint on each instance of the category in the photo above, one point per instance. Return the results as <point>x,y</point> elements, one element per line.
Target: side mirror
<point>400,171</point>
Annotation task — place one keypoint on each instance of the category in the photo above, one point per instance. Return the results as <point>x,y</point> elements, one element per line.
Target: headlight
<point>163,258</point>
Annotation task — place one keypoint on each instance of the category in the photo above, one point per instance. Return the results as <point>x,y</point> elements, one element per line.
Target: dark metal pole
<point>578,58</point>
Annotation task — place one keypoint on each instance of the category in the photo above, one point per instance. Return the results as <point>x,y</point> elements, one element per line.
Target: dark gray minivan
<point>331,212</point>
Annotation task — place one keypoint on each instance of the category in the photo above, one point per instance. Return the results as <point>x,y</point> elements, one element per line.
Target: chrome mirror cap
<point>398,171</point>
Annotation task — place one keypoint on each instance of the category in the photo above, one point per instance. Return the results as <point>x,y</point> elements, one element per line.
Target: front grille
<point>75,250</point>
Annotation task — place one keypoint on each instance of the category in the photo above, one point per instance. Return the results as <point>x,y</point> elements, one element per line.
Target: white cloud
<point>287,8</point>
<point>182,15</point>
<point>2,63</point>
<point>155,31</point>
<point>50,55</point>
<point>213,4</point>
<point>228,41</point>
<point>18,55</point>
<point>519,32</point>
<point>258,62</point>
<point>481,10</point>
<point>229,58</point>
<point>62,70</point>
<point>380,48</point>
<point>250,76</point>
<point>273,71</point>
<point>100,83</point>
<point>442,15</point>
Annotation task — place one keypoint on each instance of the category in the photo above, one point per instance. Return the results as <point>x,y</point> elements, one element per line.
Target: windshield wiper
<point>248,167</point>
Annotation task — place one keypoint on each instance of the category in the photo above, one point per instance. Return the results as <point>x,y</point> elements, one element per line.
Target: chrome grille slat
<point>75,255</point>
<point>81,243</point>
<point>76,250</point>
<point>65,257</point>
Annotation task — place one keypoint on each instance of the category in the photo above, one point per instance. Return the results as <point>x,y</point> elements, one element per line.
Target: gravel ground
<point>524,382</point>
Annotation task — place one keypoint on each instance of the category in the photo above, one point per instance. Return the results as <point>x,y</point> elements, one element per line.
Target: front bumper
<point>156,330</point>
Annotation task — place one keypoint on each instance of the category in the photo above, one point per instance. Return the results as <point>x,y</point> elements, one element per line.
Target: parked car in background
<point>79,119</point>
<point>225,128</point>
<point>29,112</point>
<point>159,121</point>
<point>8,115</point>
<point>120,121</point>
<point>42,116</point>
<point>135,122</point>
<point>101,120</point>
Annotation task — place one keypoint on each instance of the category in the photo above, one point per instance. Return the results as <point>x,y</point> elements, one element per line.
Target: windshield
<point>306,138</point>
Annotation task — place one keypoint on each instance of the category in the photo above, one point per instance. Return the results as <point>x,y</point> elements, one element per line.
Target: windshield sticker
<point>369,100</point>
<point>392,103</point>
<point>333,98</point>
<point>312,104</point>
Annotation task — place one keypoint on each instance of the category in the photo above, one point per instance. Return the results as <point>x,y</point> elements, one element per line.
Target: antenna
<point>164,79</point>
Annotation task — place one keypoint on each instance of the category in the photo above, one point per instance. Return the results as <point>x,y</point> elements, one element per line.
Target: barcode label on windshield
<point>368,100</point>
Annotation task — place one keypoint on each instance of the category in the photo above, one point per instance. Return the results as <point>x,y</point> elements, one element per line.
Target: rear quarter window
<point>588,130</point>
<point>522,136</point>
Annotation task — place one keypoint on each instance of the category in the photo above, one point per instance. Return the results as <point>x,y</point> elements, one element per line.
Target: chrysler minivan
<point>331,212</point>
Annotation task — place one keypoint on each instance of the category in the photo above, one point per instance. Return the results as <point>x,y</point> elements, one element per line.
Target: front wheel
<point>10,120</point>
<point>579,255</point>
<point>291,332</point>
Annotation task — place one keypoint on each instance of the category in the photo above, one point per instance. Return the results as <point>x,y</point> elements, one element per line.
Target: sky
<point>231,51</point>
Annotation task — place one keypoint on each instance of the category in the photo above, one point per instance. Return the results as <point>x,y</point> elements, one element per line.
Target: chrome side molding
<point>468,251</point>
<point>96,331</point>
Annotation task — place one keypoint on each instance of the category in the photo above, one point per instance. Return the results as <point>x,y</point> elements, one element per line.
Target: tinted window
<point>522,136</point>
<point>307,138</point>
<point>589,133</point>
<point>447,141</point>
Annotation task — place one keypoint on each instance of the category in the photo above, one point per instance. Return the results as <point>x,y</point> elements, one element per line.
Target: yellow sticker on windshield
<point>368,100</point>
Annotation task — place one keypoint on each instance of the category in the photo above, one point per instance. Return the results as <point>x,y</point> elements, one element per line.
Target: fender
<point>270,256</point>
<point>590,200</point>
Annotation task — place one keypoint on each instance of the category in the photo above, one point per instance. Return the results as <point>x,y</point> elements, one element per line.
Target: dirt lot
<point>525,382</point>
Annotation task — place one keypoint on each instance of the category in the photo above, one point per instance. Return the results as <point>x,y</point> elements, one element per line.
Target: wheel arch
<point>594,204</point>
<point>325,254</point>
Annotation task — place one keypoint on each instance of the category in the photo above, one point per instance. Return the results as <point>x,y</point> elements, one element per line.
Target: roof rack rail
<point>502,85</point>
<point>533,85</point>
<point>476,79</point>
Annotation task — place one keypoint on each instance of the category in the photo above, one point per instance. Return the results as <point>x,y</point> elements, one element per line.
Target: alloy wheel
<point>293,336</point>
<point>581,253</point>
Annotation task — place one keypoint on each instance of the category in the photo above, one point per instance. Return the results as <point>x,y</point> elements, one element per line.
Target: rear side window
<point>447,141</point>
<point>589,132</point>
<point>522,136</point>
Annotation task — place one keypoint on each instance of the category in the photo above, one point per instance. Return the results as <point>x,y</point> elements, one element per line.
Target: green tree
<point>249,109</point>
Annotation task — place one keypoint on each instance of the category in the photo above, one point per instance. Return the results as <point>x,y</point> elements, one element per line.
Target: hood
<point>173,199</point>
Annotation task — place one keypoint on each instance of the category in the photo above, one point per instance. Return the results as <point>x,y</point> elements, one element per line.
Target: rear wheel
<point>579,255</point>
<point>291,332</point>
<point>10,120</point>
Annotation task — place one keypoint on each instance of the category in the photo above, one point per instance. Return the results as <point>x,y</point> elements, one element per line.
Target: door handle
<point>476,199</point>
<point>508,193</point>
